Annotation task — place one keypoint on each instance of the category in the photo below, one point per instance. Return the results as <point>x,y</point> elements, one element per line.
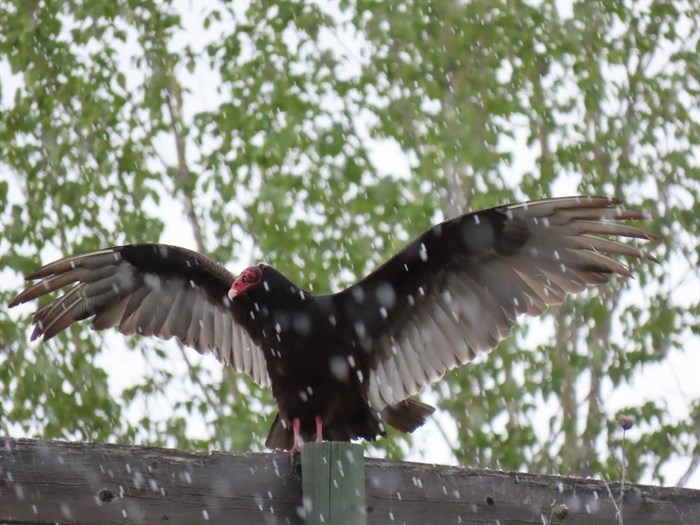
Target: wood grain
<point>44,482</point>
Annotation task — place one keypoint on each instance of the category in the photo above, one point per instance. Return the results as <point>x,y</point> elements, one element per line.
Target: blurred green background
<point>319,137</point>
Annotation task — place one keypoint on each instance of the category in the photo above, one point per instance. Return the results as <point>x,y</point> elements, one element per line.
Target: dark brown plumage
<point>344,364</point>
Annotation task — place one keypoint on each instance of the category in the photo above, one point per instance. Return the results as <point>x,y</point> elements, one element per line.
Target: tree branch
<point>685,478</point>
<point>173,100</point>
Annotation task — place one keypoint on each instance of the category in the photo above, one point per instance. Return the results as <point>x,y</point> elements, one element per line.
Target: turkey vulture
<point>342,365</point>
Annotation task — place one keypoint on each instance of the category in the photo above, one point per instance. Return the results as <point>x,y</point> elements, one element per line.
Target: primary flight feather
<point>342,365</point>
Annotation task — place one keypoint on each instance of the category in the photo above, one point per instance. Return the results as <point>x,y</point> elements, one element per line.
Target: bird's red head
<point>249,278</point>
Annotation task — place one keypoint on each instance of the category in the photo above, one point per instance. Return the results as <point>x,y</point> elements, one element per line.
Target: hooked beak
<point>232,293</point>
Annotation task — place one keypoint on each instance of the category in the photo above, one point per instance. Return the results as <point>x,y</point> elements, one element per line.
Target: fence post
<point>333,483</point>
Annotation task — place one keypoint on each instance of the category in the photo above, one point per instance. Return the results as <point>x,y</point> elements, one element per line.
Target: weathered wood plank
<point>49,482</point>
<point>55,482</point>
<point>333,483</point>
<point>425,495</point>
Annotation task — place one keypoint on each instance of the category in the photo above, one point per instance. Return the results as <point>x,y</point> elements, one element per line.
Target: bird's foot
<point>319,429</point>
<point>294,452</point>
<point>296,426</point>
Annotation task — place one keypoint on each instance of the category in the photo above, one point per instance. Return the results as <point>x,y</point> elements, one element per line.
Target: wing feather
<point>238,349</point>
<point>206,338</point>
<point>247,354</point>
<point>226,338</point>
<point>195,324</point>
<point>257,365</point>
<point>419,374</point>
<point>163,309</point>
<point>410,384</point>
<point>148,289</point>
<point>218,335</point>
<point>145,310</point>
<point>457,289</point>
<point>439,341</point>
<point>110,316</point>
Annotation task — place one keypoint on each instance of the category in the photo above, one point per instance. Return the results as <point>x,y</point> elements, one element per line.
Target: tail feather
<point>281,436</point>
<point>407,415</point>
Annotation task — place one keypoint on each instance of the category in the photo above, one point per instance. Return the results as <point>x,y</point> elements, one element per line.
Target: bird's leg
<point>294,452</point>
<point>296,425</point>
<point>319,429</point>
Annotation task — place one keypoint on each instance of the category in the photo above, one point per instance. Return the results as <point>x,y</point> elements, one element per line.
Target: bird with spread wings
<point>343,365</point>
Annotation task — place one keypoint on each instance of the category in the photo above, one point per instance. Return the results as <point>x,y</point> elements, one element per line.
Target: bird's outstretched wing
<point>456,290</point>
<point>148,289</point>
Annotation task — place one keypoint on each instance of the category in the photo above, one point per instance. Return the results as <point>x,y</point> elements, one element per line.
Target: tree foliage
<point>264,131</point>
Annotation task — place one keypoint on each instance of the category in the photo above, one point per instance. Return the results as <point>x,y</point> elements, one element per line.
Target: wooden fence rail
<point>44,482</point>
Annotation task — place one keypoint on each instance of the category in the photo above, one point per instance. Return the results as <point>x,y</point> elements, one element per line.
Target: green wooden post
<point>333,482</point>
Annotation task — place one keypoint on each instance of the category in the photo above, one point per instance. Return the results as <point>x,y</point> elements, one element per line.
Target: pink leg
<point>319,429</point>
<point>296,425</point>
